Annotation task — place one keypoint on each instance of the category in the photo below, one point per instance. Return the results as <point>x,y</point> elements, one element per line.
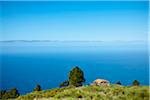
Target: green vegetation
<point>136,83</point>
<point>38,88</point>
<point>64,84</point>
<point>76,77</point>
<point>119,83</point>
<point>113,92</point>
<point>13,93</point>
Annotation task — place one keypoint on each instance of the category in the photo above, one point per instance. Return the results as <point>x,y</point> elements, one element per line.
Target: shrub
<point>119,83</point>
<point>64,84</point>
<point>2,92</point>
<point>136,83</point>
<point>38,88</point>
<point>13,93</point>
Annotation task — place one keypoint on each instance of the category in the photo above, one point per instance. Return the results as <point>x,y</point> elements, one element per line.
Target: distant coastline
<point>6,41</point>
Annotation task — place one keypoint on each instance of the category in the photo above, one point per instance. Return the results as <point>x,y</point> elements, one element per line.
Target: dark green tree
<point>38,88</point>
<point>64,84</point>
<point>76,77</point>
<point>6,95</point>
<point>13,93</point>
<point>136,83</point>
<point>2,92</point>
<point>119,83</point>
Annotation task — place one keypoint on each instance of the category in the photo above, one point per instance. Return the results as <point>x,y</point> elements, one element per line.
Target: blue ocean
<point>26,64</point>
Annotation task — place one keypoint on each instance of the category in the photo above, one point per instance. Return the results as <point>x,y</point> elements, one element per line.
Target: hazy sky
<point>111,20</point>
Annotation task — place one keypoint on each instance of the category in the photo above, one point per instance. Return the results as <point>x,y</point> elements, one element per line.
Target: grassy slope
<point>114,92</point>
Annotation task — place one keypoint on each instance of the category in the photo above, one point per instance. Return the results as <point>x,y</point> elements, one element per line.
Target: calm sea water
<point>23,65</point>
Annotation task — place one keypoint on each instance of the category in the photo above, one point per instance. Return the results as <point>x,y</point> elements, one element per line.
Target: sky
<point>82,20</point>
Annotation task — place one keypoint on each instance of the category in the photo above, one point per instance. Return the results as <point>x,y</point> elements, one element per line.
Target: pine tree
<point>76,77</point>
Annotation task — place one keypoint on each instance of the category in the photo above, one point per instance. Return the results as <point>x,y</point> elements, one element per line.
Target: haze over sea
<point>27,63</point>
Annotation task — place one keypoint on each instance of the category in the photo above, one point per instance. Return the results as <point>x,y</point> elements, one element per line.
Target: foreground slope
<point>113,92</point>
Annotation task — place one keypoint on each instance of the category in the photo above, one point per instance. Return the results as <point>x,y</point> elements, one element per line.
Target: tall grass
<point>113,92</point>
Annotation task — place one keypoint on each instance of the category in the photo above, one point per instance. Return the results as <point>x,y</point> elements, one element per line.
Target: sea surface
<point>27,63</point>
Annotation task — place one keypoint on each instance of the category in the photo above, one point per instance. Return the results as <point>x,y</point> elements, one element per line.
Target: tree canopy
<point>76,77</point>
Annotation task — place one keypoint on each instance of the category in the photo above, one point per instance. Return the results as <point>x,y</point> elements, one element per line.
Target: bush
<point>2,92</point>
<point>64,84</point>
<point>136,83</point>
<point>38,88</point>
<point>119,83</point>
<point>13,93</point>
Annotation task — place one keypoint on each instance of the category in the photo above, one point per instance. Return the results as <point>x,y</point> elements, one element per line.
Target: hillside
<point>112,92</point>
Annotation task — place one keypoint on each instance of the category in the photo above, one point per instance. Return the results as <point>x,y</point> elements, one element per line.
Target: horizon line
<point>73,40</point>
